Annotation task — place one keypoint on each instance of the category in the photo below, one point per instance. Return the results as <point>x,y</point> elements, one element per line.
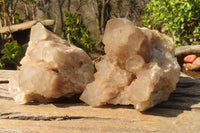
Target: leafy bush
<point>181,18</point>
<point>77,33</point>
<point>13,52</point>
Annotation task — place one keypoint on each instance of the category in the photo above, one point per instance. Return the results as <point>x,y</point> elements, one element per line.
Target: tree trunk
<point>103,15</point>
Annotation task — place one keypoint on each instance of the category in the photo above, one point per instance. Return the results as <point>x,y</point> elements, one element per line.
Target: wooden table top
<point>180,114</point>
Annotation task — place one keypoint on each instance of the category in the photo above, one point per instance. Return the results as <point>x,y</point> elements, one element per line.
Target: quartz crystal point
<point>139,68</point>
<point>51,68</point>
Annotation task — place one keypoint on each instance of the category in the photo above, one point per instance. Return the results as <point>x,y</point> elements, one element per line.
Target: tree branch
<point>14,7</point>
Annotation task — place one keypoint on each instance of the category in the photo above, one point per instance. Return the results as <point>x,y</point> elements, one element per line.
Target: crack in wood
<point>4,81</point>
<point>35,118</point>
<point>17,116</point>
<point>10,116</point>
<point>9,113</point>
<point>7,98</point>
<point>47,118</point>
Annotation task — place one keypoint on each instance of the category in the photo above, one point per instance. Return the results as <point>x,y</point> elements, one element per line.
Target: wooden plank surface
<point>180,114</point>
<point>5,75</point>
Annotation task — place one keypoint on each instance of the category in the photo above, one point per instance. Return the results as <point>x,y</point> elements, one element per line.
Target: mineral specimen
<point>139,67</point>
<point>51,68</point>
<point>190,58</point>
<point>196,61</point>
<point>192,62</point>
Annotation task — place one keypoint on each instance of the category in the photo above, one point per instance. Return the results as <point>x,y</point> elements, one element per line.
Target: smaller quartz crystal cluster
<point>139,68</point>
<point>51,68</point>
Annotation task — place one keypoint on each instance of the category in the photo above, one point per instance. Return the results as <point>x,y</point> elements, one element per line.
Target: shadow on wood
<point>182,99</point>
<point>186,95</point>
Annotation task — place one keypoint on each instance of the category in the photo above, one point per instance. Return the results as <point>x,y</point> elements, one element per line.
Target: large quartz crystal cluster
<point>139,68</point>
<point>51,68</point>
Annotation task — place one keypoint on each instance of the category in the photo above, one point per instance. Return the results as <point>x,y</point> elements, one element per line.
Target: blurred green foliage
<point>77,33</point>
<point>2,65</point>
<point>13,52</point>
<point>180,18</point>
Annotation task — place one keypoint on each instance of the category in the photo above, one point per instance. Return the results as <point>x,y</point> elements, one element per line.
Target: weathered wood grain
<point>5,75</point>
<point>181,113</point>
<point>25,25</point>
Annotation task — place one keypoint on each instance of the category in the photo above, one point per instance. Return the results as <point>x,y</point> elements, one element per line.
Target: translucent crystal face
<point>129,38</point>
<point>139,67</point>
<point>51,68</point>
